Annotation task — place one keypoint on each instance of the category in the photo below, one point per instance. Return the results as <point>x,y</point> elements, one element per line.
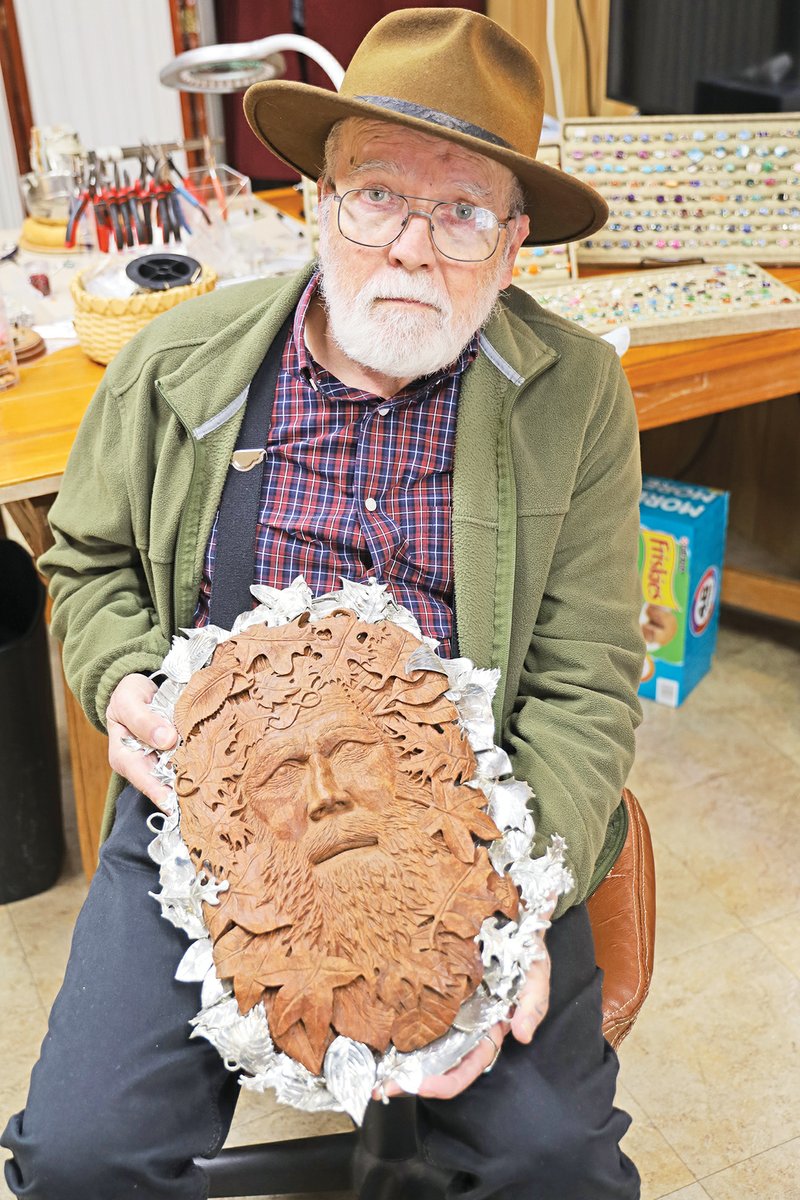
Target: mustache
<point>399,286</point>
<point>333,835</point>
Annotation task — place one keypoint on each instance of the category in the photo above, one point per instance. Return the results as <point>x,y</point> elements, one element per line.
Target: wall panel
<point>10,203</point>
<point>93,65</point>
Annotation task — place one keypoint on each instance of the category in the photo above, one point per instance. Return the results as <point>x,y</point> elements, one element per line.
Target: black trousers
<point>121,1100</point>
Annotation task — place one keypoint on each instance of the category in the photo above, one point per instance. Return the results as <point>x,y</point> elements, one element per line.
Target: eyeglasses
<point>376,217</point>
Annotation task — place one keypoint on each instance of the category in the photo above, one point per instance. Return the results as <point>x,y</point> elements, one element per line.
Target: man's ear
<point>324,185</point>
<point>516,237</point>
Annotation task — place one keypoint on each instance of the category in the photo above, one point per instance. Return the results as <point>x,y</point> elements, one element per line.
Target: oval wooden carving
<point>327,787</point>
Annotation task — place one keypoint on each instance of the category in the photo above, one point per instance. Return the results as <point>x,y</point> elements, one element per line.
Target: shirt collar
<point>317,375</point>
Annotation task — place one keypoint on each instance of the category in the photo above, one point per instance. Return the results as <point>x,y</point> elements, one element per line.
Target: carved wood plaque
<point>327,787</point>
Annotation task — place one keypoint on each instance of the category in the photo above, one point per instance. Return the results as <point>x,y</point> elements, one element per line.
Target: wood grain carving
<point>327,787</point>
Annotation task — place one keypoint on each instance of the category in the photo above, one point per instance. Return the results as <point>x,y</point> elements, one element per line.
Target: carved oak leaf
<point>423,696</point>
<point>247,648</point>
<point>394,985</point>
<point>307,983</point>
<point>457,815</point>
<point>206,762</point>
<point>204,696</point>
<point>406,989</point>
<point>464,958</point>
<point>281,656</point>
<point>226,829</point>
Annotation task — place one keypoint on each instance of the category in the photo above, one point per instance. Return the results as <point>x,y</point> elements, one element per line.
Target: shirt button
<point>370,504</point>
<point>383,411</point>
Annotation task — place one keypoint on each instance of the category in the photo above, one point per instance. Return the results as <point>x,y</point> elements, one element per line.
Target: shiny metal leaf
<point>349,1071</point>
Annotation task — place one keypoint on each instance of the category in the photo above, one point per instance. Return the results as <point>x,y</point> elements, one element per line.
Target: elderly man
<point>411,420</point>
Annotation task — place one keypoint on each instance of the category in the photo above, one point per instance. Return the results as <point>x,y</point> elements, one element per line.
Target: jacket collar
<point>210,385</point>
<point>510,341</point>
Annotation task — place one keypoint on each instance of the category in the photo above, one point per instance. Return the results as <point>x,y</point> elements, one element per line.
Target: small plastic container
<point>9,370</point>
<point>224,242</point>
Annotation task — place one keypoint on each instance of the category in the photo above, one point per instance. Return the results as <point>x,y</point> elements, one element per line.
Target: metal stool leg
<point>380,1162</point>
<point>386,1162</point>
<point>315,1164</point>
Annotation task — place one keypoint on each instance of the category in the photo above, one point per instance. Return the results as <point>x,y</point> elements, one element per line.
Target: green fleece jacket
<point>545,525</point>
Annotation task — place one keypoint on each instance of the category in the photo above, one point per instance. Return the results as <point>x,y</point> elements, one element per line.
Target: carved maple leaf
<point>232,954</point>
<point>456,813</point>
<point>473,897</point>
<point>307,983</point>
<point>421,756</point>
<point>238,954</point>
<point>247,902</point>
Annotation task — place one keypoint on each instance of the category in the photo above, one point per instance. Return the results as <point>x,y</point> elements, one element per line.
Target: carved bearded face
<point>327,787</point>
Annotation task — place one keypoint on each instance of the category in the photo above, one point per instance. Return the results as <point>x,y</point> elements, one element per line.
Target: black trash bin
<point>31,831</point>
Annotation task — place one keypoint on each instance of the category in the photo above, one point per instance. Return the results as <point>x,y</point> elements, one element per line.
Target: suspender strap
<point>237,524</point>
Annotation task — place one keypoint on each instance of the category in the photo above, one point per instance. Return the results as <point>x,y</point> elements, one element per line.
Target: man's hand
<point>129,715</point>
<point>528,1014</point>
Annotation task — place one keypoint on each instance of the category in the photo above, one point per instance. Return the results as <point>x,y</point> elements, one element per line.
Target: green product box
<point>681,548</point>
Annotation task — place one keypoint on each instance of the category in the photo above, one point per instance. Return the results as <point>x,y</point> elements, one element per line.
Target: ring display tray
<point>672,303</point>
<point>718,188</point>
<point>547,263</point>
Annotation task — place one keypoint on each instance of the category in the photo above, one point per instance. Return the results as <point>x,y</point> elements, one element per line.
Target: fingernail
<point>163,736</point>
<point>527,1028</point>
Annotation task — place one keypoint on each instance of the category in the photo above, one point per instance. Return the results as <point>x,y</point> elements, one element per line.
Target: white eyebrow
<point>377,164</point>
<point>472,188</point>
<point>466,188</point>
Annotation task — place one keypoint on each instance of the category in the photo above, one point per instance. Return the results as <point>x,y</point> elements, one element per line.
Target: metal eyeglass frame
<point>416,212</point>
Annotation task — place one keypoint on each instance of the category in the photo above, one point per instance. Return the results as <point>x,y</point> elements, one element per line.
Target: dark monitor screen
<point>664,54</point>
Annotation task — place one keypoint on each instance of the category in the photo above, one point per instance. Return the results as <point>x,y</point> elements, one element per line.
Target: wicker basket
<point>104,326</point>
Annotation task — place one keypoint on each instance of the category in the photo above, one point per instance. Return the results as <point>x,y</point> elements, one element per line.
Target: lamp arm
<point>205,57</point>
<point>279,42</point>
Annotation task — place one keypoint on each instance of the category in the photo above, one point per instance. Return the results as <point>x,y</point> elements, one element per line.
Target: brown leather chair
<point>623,916</point>
<point>622,913</point>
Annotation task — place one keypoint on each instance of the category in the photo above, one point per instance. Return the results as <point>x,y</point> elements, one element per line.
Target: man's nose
<point>414,247</point>
<point>327,794</point>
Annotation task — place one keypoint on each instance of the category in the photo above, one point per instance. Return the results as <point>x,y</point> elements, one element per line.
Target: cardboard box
<point>681,549</point>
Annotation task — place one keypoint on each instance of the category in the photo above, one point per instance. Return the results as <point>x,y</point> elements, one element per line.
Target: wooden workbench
<point>671,382</point>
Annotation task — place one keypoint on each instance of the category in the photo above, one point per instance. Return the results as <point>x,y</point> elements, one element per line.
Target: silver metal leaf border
<point>351,1070</point>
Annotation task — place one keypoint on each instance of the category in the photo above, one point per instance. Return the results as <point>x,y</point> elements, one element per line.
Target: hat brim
<point>293,120</point>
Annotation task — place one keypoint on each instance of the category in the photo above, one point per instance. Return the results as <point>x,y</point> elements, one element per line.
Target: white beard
<point>391,339</point>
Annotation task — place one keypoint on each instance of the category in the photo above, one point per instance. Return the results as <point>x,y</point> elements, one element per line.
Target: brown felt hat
<point>442,71</point>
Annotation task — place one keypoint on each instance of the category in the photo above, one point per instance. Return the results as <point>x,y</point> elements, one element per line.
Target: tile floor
<point>711,1073</point>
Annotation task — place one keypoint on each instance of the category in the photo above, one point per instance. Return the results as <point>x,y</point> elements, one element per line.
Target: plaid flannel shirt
<point>356,487</point>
